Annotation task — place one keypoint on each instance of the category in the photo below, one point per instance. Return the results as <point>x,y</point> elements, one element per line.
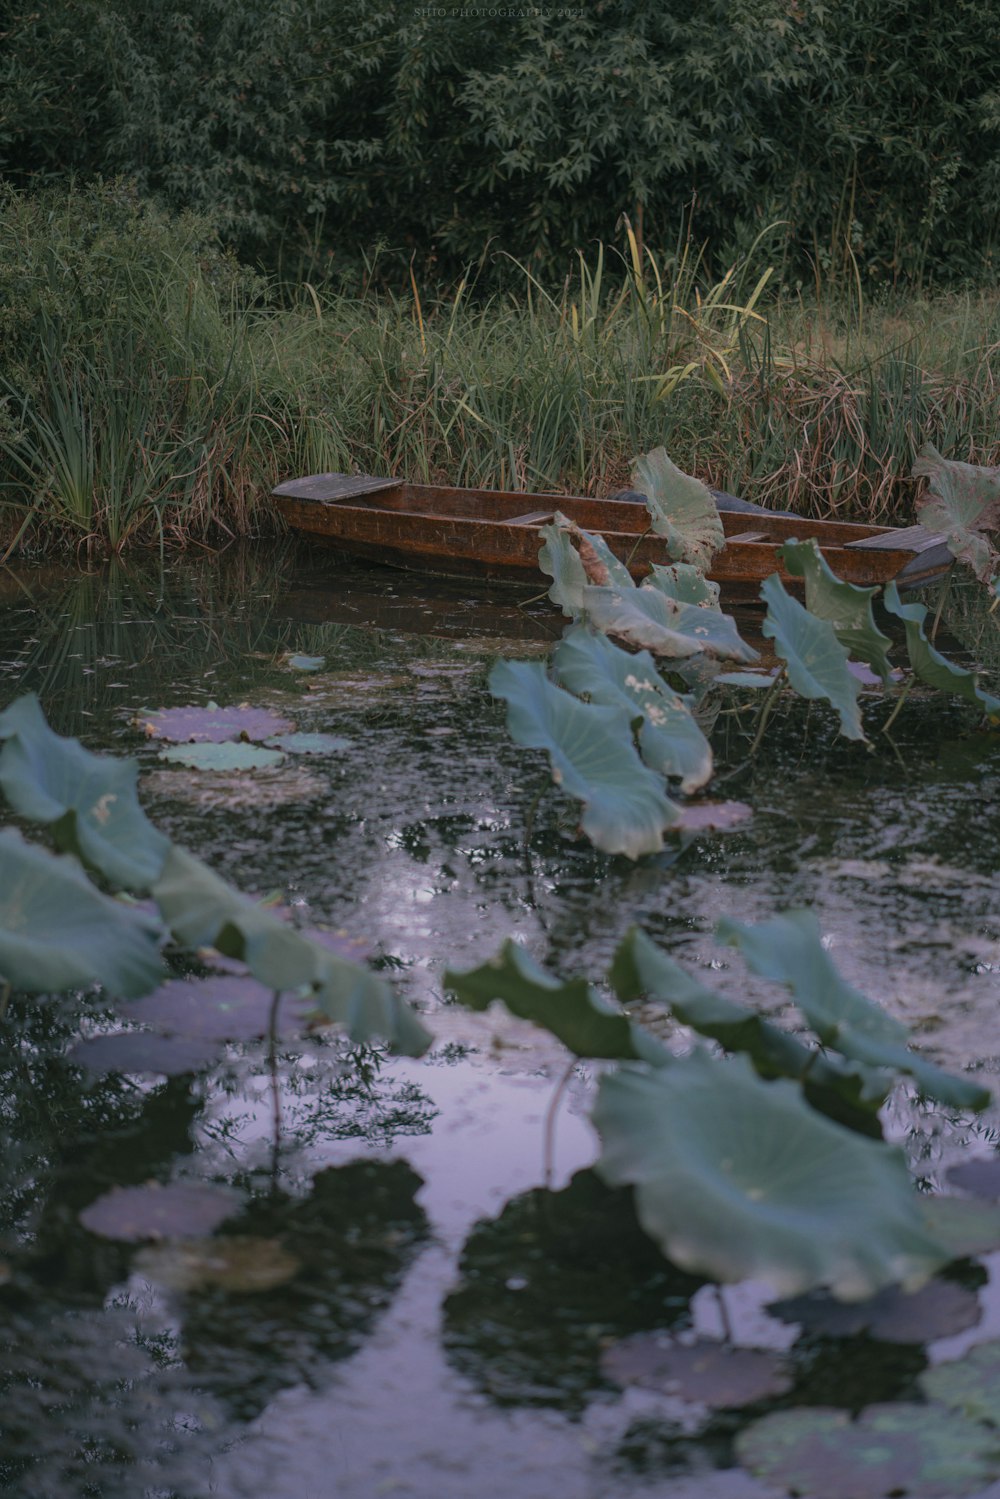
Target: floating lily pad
<point>89,801</point>
<point>222,756</point>
<point>309,744</point>
<point>572,1011</point>
<point>814,658</point>
<point>670,740</point>
<point>711,817</point>
<point>593,758</point>
<point>740,1179</point>
<point>705,1372</point>
<point>58,932</point>
<point>217,1008</point>
<point>970,1384</point>
<point>936,1310</point>
<point>143,1053</point>
<point>890,1450</point>
<point>213,725</point>
<point>981,1177</point>
<point>682,509</point>
<point>153,1211</point>
<point>233,1262</point>
<point>307,663</point>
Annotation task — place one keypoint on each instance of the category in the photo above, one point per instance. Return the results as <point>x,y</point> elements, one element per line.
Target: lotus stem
<point>899,703</point>
<point>272,1067</point>
<point>943,593</point>
<point>765,712</point>
<point>549,1149</point>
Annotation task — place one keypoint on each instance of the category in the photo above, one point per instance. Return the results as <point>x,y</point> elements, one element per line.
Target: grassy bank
<point>152,389</point>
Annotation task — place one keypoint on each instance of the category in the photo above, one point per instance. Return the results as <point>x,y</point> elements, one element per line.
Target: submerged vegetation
<point>151,389</point>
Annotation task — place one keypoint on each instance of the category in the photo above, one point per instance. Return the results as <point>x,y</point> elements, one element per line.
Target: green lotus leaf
<point>309,744</point>
<point>684,583</point>
<point>814,658</point>
<point>970,1384</point>
<point>203,911</point>
<point>222,756</point>
<point>964,1226</point>
<point>593,758</point>
<point>847,607</point>
<point>574,558</point>
<point>669,739</point>
<point>307,663</point>
<point>789,949</point>
<point>57,932</point>
<point>741,1179</point>
<point>962,502</point>
<point>929,664</point>
<point>682,509</point>
<point>650,620</point>
<point>849,1092</point>
<point>88,801</point>
<point>915,1450</point>
<point>209,724</point>
<point>574,1014</point>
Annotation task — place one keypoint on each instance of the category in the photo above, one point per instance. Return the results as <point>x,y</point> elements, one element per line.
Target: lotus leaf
<point>847,607</point>
<point>651,620</point>
<point>669,739</point>
<point>814,658</point>
<point>213,725</point>
<point>307,663</point>
<point>640,969</point>
<point>142,1052</point>
<point>684,583</point>
<point>560,559</point>
<point>218,1008</point>
<point>705,1372</point>
<point>962,502</point>
<point>593,758</point>
<point>981,1177</point>
<point>964,1226</point>
<point>789,949</point>
<point>682,509</point>
<point>153,1211</point>
<point>578,1017</point>
<point>203,911</point>
<point>929,664</point>
<point>938,1310</point>
<point>970,1384</point>
<point>890,1449</point>
<point>89,801</point>
<point>741,1179</point>
<point>309,744</point>
<point>57,932</point>
<point>222,756</point>
<point>233,1262</point>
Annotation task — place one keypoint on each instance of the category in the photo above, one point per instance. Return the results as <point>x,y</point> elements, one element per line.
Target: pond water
<point>458,1296</point>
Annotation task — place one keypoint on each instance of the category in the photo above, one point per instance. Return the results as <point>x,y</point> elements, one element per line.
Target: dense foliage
<point>313,129</point>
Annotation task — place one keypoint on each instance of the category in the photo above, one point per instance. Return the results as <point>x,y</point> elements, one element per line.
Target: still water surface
<point>445,1331</point>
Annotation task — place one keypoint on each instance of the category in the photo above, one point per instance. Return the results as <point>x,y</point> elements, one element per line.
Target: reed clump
<point>151,389</point>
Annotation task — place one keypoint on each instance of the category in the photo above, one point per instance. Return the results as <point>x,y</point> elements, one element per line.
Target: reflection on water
<point>444,1330</point>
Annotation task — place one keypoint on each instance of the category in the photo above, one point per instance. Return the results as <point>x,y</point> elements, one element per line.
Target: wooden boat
<point>493,533</point>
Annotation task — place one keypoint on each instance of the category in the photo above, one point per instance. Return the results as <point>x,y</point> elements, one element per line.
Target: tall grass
<point>151,390</point>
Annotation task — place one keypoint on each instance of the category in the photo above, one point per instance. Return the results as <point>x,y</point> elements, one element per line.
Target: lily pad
<point>847,607</point>
<point>740,1179</point>
<point>980,1177</point>
<point>144,1053</point>
<point>307,663</point>
<point>58,932</point>
<point>213,725</point>
<point>963,503</point>
<point>704,1372</point>
<point>593,758</point>
<point>309,744</point>
<point>970,1384</point>
<point>88,801</point>
<point>204,911</point>
<point>789,949</point>
<point>669,739</point>
<point>578,1017</point>
<point>814,658</point>
<point>682,509</point>
<point>889,1450</point>
<point>936,1310</point>
<point>222,756</point>
<point>179,1210</point>
<point>218,1008</point>
<point>929,664</point>
<point>238,1263</point>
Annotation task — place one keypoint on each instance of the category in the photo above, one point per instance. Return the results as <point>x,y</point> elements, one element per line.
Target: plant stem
<point>765,711</point>
<point>943,592</point>
<point>272,1067</point>
<point>899,703</point>
<point>550,1125</point>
